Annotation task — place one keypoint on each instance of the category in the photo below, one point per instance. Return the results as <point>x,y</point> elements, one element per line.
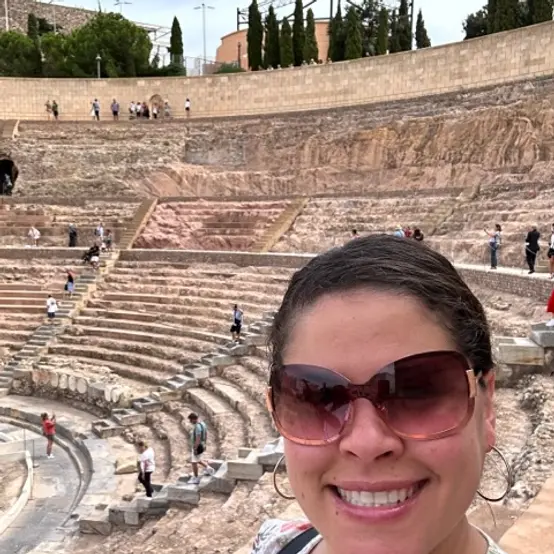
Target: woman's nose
<point>367,436</point>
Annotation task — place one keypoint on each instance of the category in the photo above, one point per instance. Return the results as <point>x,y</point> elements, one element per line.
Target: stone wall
<point>67,17</point>
<point>521,54</point>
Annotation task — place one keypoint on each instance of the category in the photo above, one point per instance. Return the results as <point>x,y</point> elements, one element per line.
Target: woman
<point>494,244</point>
<point>551,252</point>
<point>49,430</point>
<point>146,466</point>
<point>418,235</point>
<point>51,309</point>
<point>69,283</point>
<point>382,386</point>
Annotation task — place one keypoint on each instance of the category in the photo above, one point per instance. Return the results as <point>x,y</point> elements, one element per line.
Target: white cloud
<point>443,19</point>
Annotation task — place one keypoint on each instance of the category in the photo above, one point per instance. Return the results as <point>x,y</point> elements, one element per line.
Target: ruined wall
<point>520,54</point>
<point>67,17</point>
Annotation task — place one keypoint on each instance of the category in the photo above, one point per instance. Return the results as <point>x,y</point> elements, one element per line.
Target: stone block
<point>96,391</point>
<point>238,350</point>
<point>520,351</point>
<point>222,361</point>
<point>96,522</point>
<point>181,382</point>
<point>220,482</point>
<point>164,394</point>
<point>184,494</point>
<point>105,428</point>
<point>131,518</point>
<point>23,374</point>
<point>543,335</point>
<point>198,372</point>
<point>147,404</point>
<point>244,470</point>
<point>128,417</point>
<point>255,340</point>
<point>125,466</point>
<point>244,452</point>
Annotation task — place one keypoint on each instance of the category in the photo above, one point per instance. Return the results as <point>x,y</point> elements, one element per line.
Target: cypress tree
<point>491,16</point>
<point>176,44</point>
<point>383,32</point>
<point>287,55</point>
<point>298,33</point>
<point>34,34</point>
<point>506,15</point>
<point>32,26</point>
<point>353,48</point>
<point>272,52</point>
<point>404,27</point>
<point>421,36</point>
<point>539,11</point>
<point>311,51</point>
<point>254,36</point>
<point>337,37</point>
<point>394,40</point>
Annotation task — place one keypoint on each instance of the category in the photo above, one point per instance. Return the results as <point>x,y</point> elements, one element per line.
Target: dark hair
<point>389,263</point>
<point>354,231</point>
<point>193,417</point>
<point>498,227</point>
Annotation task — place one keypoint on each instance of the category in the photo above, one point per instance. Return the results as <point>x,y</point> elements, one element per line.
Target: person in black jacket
<point>532,248</point>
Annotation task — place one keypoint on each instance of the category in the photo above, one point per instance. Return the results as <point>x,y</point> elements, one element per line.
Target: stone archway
<point>157,100</point>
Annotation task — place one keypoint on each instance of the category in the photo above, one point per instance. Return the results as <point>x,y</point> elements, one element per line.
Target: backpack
<point>301,541</point>
<point>203,432</point>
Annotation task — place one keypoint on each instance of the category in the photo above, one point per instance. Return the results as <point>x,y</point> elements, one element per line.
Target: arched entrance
<point>8,174</point>
<point>158,101</point>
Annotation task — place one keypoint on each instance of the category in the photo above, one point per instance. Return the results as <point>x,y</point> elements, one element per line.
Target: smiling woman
<point>382,386</point>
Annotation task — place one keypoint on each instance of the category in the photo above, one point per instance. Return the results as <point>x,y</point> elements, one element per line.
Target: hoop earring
<point>275,486</point>
<point>509,479</point>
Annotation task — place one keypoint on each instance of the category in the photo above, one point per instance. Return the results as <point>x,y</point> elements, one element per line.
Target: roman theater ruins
<point>220,209</point>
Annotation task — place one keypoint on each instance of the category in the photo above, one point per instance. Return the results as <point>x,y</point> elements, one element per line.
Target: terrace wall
<point>520,54</point>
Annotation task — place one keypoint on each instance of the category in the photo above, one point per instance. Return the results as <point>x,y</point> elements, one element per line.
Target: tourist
<point>108,240</point>
<point>72,232</point>
<point>48,107</point>
<point>354,234</point>
<point>34,236</point>
<point>532,248</point>
<point>132,109</point>
<point>399,232</point>
<point>96,109</point>
<point>99,231</point>
<point>198,440</point>
<point>408,232</point>
<point>418,235</point>
<point>92,256</point>
<point>237,323</point>
<point>167,109</point>
<point>69,283</point>
<point>146,466</point>
<point>49,430</point>
<point>495,240</point>
<point>550,309</point>
<point>187,107</point>
<point>55,110</point>
<point>155,111</point>
<point>145,111</point>
<point>51,308</point>
<point>384,449</point>
<point>115,110</point>
<point>551,252</point>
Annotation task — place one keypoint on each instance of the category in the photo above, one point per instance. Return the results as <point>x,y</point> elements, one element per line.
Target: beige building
<point>235,45</point>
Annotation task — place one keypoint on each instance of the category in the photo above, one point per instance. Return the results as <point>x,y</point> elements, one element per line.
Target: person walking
<point>55,110</point>
<point>495,240</point>
<point>551,252</point>
<point>49,430</point>
<point>115,110</point>
<point>34,236</point>
<point>532,248</point>
<point>96,109</point>
<point>146,466</point>
<point>72,232</point>
<point>187,107</point>
<point>237,323</point>
<point>69,283</point>
<point>51,308</point>
<point>198,440</point>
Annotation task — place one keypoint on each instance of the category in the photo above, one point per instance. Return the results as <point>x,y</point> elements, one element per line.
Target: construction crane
<point>263,6</point>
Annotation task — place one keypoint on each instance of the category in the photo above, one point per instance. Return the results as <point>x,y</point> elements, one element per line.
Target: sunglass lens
<point>428,394</point>
<point>310,403</point>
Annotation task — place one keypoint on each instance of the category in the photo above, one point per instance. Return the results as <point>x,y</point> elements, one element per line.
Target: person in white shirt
<point>237,323</point>
<point>187,107</point>
<point>51,308</point>
<point>34,235</point>
<point>146,466</point>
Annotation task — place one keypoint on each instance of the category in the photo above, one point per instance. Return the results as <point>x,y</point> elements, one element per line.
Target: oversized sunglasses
<point>422,397</point>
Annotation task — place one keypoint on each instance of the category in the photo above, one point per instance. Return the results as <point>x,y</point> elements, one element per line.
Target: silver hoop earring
<point>509,479</point>
<point>275,486</point>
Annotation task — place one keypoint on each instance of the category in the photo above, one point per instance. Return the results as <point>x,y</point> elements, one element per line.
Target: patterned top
<point>275,534</point>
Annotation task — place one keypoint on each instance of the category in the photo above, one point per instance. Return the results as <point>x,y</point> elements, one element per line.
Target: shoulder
<point>274,534</point>
<point>493,547</point>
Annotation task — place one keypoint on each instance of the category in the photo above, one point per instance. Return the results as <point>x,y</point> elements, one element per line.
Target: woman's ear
<point>488,409</point>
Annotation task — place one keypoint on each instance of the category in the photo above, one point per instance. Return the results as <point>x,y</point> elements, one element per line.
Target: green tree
<point>17,55</point>
<point>539,11</point>
<point>421,36</point>
<point>58,58</point>
<point>254,37</point>
<point>272,52</point>
<point>33,34</point>
<point>394,40</point>
<point>504,15</point>
<point>225,68</point>
<point>353,48</point>
<point>176,50</point>
<point>383,32</point>
<point>404,27</point>
<point>369,16</point>
<point>44,26</point>
<point>311,51</point>
<point>287,54</point>
<point>298,33</point>
<point>476,24</point>
<point>32,27</point>
<point>337,37</point>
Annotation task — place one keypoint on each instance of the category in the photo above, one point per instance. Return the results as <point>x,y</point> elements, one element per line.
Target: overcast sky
<point>443,18</point>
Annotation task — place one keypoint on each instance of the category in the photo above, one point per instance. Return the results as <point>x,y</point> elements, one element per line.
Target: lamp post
<point>203,7</point>
<point>239,59</point>
<point>98,68</point>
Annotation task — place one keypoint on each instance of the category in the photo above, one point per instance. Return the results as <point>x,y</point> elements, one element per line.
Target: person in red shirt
<point>49,430</point>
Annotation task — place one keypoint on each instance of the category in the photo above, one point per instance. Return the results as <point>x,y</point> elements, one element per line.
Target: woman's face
<point>357,334</point>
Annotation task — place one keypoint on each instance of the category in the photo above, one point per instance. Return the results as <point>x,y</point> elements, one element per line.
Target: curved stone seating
<point>210,225</point>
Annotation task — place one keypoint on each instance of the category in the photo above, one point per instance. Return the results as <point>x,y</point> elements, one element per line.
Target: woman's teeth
<point>379,498</point>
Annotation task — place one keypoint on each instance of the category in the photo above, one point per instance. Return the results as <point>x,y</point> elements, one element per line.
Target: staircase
<point>281,225</point>
<point>138,223</point>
